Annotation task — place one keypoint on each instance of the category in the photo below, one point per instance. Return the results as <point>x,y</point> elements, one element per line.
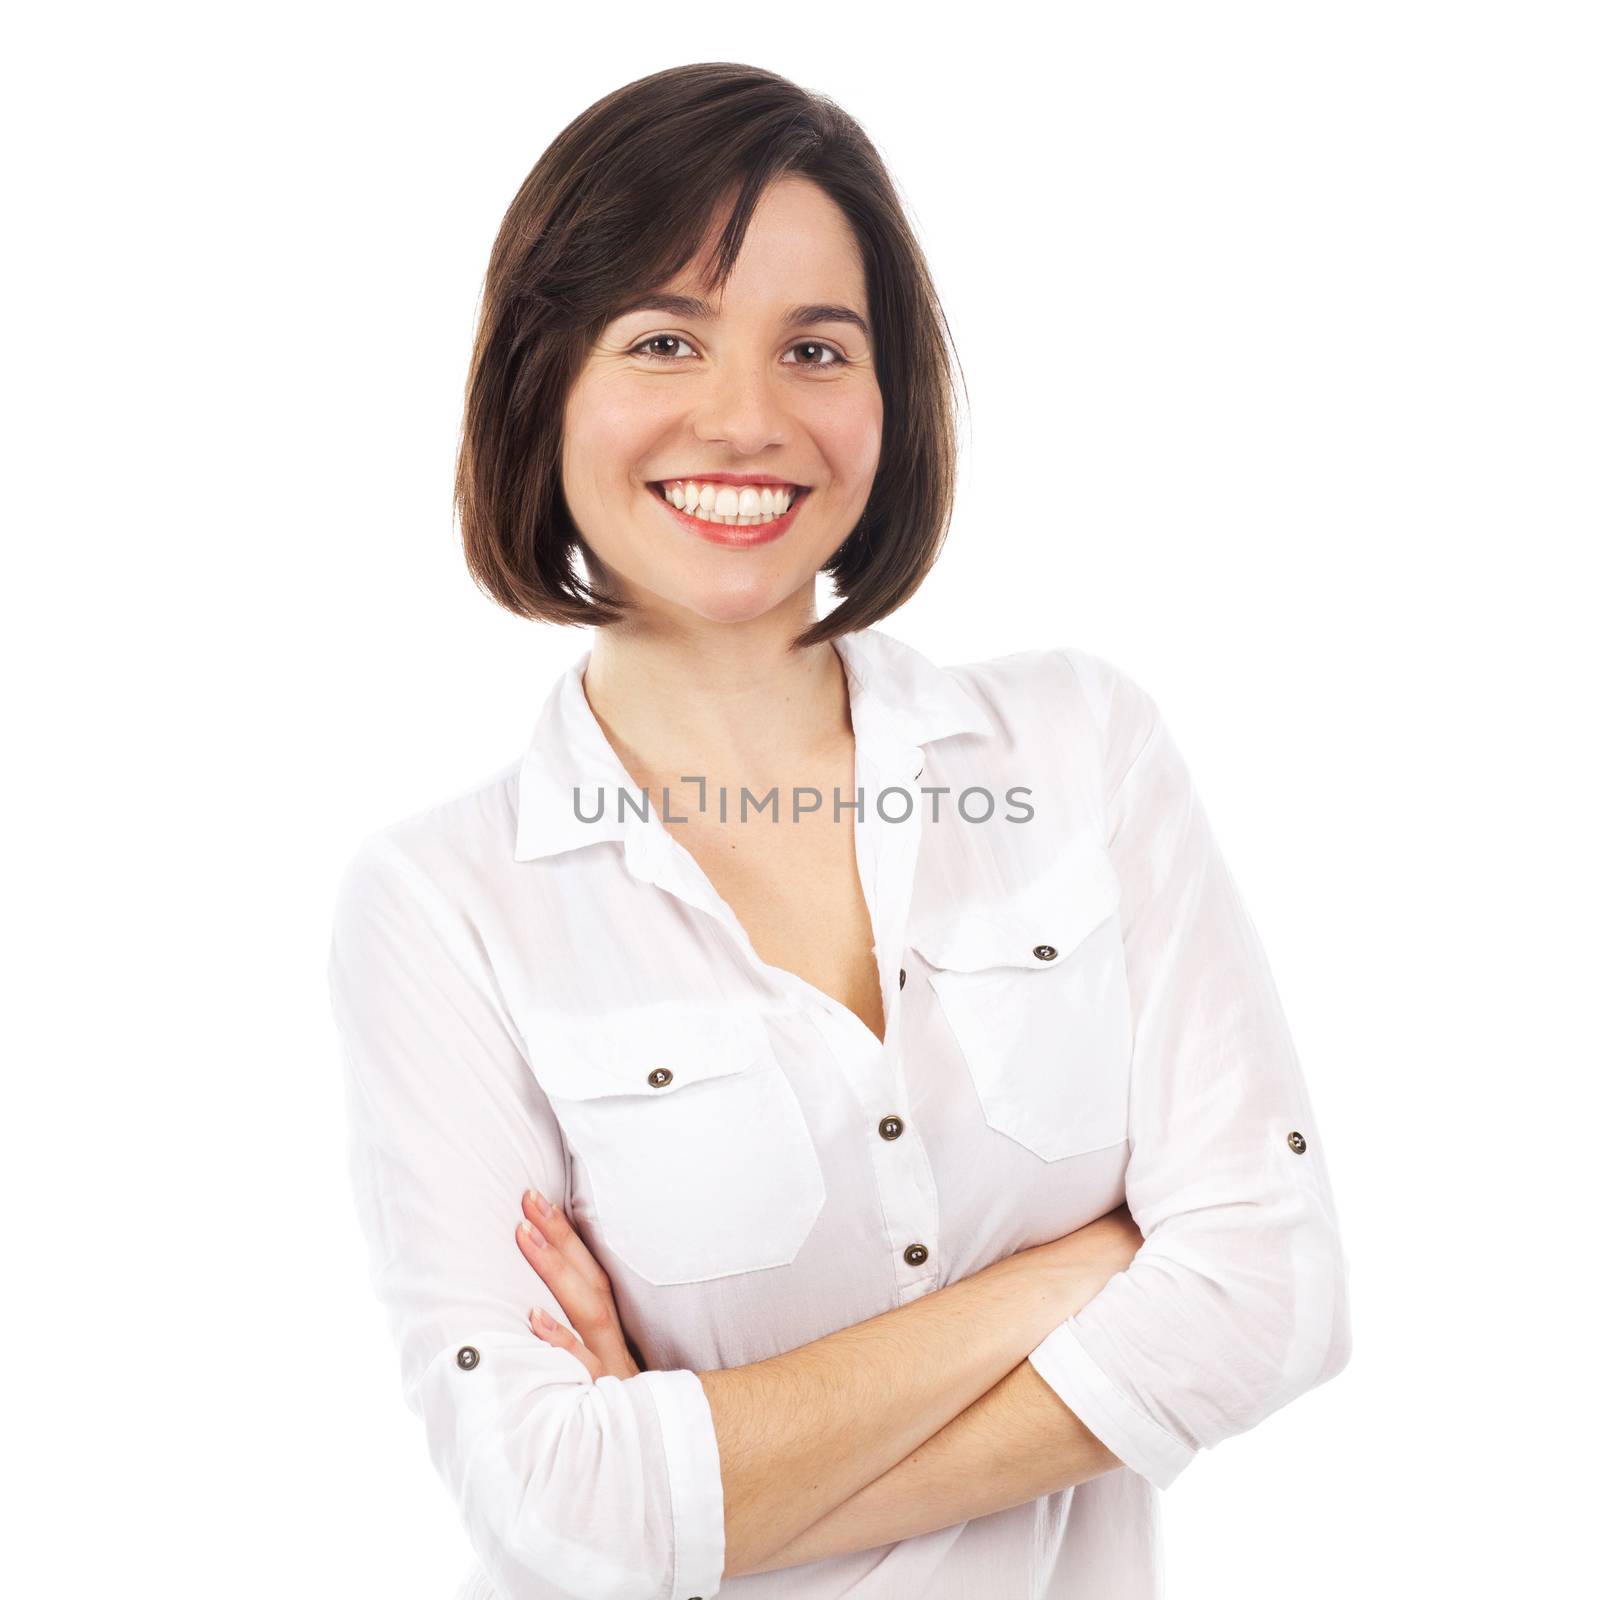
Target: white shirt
<point>1078,1011</point>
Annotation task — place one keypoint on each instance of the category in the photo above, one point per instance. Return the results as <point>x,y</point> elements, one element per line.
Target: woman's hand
<point>1081,1263</point>
<point>1108,1244</point>
<point>582,1290</point>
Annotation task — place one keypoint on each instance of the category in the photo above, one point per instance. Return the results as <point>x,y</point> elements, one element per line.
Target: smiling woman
<point>902,1199</point>
<point>758,375</point>
<point>707,278</point>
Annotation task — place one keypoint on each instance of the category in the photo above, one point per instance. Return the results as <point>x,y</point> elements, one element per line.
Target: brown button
<point>1297,1143</point>
<point>902,977</point>
<point>1045,952</point>
<point>891,1128</point>
<point>916,1254</point>
<point>466,1358</point>
<point>660,1078</point>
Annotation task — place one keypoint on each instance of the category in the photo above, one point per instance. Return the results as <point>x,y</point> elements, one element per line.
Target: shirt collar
<point>900,701</point>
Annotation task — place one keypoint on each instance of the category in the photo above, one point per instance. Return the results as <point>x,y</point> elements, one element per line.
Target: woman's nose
<point>742,408</point>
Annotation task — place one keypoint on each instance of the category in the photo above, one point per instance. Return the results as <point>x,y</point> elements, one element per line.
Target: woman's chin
<point>730,599</point>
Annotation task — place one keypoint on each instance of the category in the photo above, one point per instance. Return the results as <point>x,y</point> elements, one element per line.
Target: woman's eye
<point>643,347</point>
<point>817,346</point>
<point>818,353</point>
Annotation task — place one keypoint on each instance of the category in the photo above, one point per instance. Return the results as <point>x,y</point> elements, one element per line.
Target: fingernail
<point>532,1235</point>
<point>540,1204</point>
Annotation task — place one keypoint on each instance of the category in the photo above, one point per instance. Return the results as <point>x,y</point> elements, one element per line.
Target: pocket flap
<point>648,1051</point>
<point>1035,926</point>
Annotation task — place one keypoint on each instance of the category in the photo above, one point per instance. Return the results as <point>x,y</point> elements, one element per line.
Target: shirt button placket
<point>905,1183</point>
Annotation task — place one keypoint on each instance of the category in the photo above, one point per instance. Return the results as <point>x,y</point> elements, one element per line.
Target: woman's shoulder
<point>447,850</point>
<point>1063,684</point>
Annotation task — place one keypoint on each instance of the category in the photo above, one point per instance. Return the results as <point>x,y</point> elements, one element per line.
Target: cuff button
<point>466,1358</point>
<point>1297,1143</point>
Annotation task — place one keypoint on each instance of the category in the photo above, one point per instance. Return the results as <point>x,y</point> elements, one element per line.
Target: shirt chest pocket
<point>699,1158</point>
<point>1035,990</point>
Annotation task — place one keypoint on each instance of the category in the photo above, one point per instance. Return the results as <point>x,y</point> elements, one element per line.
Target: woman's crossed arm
<point>1014,1444</point>
<point>916,1419</point>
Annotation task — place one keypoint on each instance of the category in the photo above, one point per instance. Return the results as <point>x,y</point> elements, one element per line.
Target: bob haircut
<point>620,203</point>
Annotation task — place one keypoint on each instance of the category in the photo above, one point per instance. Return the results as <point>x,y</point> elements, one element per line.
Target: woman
<point>816,1092</point>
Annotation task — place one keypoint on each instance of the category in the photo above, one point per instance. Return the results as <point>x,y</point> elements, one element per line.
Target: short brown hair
<point>618,204</point>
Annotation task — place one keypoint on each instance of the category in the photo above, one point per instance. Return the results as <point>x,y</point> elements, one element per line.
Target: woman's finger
<point>552,1258</point>
<point>552,1222</point>
<point>563,1338</point>
<point>579,1283</point>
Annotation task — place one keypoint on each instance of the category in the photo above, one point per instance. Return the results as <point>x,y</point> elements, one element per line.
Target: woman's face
<point>733,387</point>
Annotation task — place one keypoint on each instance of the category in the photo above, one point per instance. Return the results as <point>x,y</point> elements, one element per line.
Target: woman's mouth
<point>730,514</point>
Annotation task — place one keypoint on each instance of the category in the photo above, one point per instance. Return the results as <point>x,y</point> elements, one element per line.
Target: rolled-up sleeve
<point>1237,1302</point>
<point>605,1489</point>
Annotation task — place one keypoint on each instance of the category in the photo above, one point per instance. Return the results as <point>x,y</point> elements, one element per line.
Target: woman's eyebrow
<point>685,305</point>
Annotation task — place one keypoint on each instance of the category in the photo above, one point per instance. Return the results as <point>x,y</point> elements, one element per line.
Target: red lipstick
<point>728,533</point>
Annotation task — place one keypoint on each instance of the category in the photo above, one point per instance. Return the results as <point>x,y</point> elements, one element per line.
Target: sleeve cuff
<point>694,1473</point>
<point>1106,1412</point>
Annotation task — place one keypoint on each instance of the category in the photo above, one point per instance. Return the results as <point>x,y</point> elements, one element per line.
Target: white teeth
<point>723,503</point>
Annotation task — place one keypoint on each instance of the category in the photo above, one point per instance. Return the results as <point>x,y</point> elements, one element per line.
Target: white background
<point>1279,325</point>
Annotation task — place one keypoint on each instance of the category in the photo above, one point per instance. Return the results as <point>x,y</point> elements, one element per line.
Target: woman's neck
<point>732,704</point>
